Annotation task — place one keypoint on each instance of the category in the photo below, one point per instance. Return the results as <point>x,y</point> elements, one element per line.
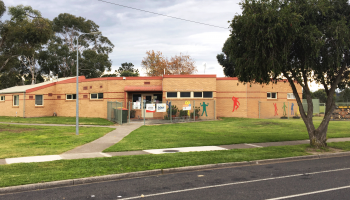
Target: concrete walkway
<point>85,152</point>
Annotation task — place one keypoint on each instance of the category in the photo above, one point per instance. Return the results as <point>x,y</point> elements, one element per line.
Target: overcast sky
<point>134,32</point>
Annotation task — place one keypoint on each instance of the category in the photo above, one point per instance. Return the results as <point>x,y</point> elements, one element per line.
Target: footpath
<point>94,149</point>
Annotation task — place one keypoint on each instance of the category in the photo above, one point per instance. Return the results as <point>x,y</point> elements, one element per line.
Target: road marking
<point>105,155</point>
<point>308,193</point>
<point>236,183</point>
<point>253,145</point>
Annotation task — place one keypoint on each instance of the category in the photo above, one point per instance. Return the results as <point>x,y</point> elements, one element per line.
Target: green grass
<point>26,173</point>
<point>340,145</point>
<point>21,140</point>
<point>57,120</point>
<point>226,131</point>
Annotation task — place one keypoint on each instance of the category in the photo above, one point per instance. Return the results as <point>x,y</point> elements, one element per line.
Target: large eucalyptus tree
<point>301,40</point>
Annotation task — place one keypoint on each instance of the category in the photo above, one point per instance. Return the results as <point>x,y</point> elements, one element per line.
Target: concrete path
<point>106,141</point>
<point>84,152</point>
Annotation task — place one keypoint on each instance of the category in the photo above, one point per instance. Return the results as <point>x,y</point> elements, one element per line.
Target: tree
<point>299,40</point>
<point>127,69</point>
<point>345,95</point>
<point>319,94</point>
<point>60,53</point>
<point>155,64</point>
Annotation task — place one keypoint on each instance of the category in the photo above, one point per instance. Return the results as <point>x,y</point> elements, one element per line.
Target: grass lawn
<point>26,173</point>
<point>225,131</point>
<point>57,120</point>
<point>21,140</point>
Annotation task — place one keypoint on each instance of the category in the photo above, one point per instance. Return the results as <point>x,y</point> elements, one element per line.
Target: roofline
<point>191,76</point>
<point>226,78</point>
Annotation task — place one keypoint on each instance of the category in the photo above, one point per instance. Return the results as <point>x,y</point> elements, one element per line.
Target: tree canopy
<point>127,69</point>
<point>297,40</point>
<point>155,64</point>
<point>60,54</point>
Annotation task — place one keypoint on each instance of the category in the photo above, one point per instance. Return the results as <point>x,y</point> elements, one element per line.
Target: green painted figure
<point>204,108</point>
<point>284,109</point>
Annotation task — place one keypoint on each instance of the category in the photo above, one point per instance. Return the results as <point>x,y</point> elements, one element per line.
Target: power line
<point>162,14</point>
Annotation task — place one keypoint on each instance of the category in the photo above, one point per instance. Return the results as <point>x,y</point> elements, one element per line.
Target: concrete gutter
<point>71,182</point>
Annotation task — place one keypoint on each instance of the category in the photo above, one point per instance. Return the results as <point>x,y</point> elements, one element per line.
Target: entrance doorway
<point>146,99</point>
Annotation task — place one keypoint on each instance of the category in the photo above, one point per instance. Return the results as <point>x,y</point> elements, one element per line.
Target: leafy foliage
<point>299,40</point>
<point>155,64</point>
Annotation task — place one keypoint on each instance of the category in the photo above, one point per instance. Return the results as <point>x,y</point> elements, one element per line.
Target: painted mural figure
<point>236,103</point>
<point>204,108</point>
<point>275,104</point>
<point>292,109</point>
<point>284,109</point>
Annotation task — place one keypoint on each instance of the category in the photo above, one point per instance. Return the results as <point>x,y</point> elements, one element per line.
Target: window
<point>2,98</point>
<point>197,94</point>
<point>96,96</point>
<point>39,100</point>
<point>290,96</point>
<point>136,98</point>
<point>71,96</point>
<point>16,100</point>
<point>207,94</point>
<point>171,94</point>
<point>202,94</point>
<point>185,94</point>
<point>272,95</point>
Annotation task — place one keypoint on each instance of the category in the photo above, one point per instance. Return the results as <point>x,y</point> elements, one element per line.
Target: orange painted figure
<point>236,103</point>
<point>275,104</point>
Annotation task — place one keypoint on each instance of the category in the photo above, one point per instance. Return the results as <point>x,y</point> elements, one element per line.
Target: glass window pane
<point>16,100</point>
<point>39,100</point>
<point>93,96</point>
<point>268,95</point>
<point>100,95</point>
<point>69,96</point>
<point>273,95</point>
<point>171,94</point>
<point>74,96</point>
<point>136,97</point>
<point>185,94</point>
<point>208,94</point>
<point>197,94</point>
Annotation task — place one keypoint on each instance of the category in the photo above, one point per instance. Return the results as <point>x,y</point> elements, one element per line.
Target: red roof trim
<point>72,80</point>
<point>40,87</point>
<point>143,88</point>
<point>226,78</point>
<point>190,76</point>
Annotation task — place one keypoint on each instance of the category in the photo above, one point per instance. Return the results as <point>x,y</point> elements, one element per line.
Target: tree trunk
<point>318,138</point>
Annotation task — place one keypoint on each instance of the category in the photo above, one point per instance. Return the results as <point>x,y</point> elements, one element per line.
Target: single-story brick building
<point>232,98</point>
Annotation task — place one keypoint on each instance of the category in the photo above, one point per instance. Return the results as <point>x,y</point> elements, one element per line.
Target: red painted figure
<point>275,104</point>
<point>236,103</point>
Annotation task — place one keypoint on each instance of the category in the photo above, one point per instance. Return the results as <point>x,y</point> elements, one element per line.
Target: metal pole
<point>288,110</point>
<point>171,116</point>
<point>144,113</point>
<point>129,111</point>
<point>77,95</point>
<point>194,110</point>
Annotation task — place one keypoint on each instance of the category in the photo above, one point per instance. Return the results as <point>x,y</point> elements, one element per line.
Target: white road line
<point>236,183</point>
<point>105,155</point>
<point>308,193</point>
<point>253,145</point>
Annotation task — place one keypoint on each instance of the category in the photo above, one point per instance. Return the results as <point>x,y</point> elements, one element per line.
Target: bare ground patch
<point>323,151</point>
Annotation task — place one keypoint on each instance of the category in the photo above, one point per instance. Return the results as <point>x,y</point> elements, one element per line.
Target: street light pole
<point>77,92</point>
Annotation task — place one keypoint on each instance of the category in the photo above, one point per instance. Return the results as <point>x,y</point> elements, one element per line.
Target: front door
<point>146,99</point>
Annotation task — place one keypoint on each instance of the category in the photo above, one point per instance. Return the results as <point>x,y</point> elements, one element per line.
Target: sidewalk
<point>95,148</point>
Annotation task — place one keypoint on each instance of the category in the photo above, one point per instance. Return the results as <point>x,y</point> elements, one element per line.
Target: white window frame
<point>14,100</point>
<point>97,96</point>
<point>271,95</point>
<point>72,97</point>
<point>42,100</point>
<point>290,96</point>
<point>2,98</point>
<point>177,96</point>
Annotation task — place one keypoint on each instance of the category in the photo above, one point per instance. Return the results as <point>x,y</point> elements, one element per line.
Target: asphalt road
<point>311,179</point>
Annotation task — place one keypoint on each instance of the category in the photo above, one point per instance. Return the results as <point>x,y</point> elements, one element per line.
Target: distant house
<point>230,97</point>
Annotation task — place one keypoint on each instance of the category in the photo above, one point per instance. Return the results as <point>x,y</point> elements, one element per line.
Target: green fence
<point>116,113</point>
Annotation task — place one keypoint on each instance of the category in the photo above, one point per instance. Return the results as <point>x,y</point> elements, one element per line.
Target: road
<point>309,179</point>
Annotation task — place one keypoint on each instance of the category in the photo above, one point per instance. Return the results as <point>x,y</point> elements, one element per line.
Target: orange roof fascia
<point>226,78</point>
<point>53,83</point>
<point>191,76</point>
<point>143,88</point>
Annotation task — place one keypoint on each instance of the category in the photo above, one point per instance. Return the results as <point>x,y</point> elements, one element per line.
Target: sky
<point>133,32</point>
